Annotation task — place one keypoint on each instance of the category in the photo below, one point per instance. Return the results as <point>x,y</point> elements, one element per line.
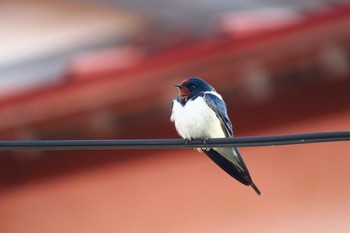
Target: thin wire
<point>276,140</point>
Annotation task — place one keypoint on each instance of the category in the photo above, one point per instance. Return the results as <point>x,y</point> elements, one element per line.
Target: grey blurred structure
<point>198,16</point>
<point>38,39</point>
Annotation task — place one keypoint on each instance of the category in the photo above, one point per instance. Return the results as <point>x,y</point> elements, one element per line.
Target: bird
<point>199,112</point>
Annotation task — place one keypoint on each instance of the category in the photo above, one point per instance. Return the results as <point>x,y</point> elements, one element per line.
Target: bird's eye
<point>193,87</point>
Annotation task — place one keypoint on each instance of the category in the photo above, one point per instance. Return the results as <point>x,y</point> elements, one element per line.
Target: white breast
<point>196,120</point>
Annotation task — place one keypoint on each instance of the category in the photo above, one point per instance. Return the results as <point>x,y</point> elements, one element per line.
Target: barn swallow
<point>199,112</point>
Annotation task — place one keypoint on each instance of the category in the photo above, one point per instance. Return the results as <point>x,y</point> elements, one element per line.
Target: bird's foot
<point>187,140</point>
<point>205,141</point>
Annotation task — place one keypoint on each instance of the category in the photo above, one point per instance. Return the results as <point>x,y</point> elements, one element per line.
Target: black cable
<point>275,140</point>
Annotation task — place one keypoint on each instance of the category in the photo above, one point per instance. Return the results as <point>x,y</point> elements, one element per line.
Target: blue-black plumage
<point>199,112</point>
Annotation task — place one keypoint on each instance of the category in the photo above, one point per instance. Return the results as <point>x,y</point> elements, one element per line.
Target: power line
<point>275,140</point>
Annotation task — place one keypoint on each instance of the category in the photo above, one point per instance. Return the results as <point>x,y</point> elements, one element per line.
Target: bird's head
<point>193,85</point>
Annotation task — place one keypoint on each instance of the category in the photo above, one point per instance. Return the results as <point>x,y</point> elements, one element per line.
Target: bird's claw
<point>205,141</point>
<point>186,141</point>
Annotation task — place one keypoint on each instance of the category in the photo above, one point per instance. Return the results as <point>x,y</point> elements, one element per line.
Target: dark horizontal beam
<point>275,140</point>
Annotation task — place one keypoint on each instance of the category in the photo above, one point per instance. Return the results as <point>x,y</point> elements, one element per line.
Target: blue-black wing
<point>229,159</point>
<point>219,107</point>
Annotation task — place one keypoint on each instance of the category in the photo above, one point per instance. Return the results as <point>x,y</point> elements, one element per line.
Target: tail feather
<point>255,188</point>
<point>237,170</point>
<point>228,167</point>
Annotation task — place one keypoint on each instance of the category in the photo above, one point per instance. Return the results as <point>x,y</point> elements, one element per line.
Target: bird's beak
<point>183,91</point>
<point>179,85</point>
